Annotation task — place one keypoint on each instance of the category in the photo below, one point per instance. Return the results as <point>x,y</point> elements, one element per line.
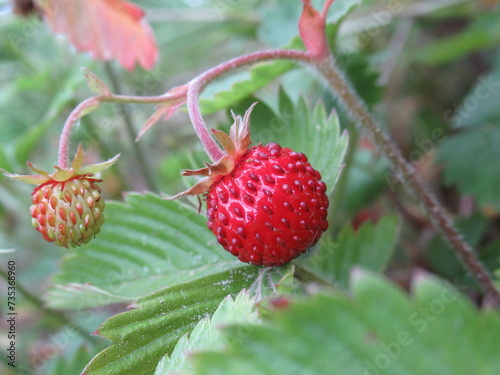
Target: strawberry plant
<point>325,222</point>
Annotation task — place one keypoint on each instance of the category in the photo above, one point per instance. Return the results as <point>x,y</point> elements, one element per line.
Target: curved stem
<point>92,103</point>
<point>75,115</point>
<point>160,99</point>
<point>197,85</point>
<point>355,107</point>
<point>436,211</point>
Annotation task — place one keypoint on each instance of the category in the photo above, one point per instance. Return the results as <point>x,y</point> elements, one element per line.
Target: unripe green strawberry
<point>67,205</point>
<point>265,204</point>
<point>69,213</point>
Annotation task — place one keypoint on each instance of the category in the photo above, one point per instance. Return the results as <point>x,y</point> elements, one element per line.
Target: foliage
<point>145,245</point>
<point>160,319</point>
<point>374,296</point>
<point>354,339</point>
<point>304,129</point>
<point>206,334</point>
<point>474,173</point>
<point>370,247</point>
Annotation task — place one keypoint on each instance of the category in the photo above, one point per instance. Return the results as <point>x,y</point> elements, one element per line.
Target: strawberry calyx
<point>76,171</point>
<point>235,144</point>
<point>53,183</point>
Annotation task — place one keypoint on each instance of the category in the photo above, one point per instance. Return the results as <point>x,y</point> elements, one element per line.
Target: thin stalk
<point>74,116</point>
<point>34,300</point>
<point>435,209</point>
<point>94,102</point>
<point>129,128</point>
<point>197,85</point>
<point>160,99</point>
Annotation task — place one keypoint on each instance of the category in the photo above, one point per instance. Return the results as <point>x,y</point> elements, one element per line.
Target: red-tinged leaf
<point>173,99</point>
<point>312,29</point>
<point>108,29</point>
<point>165,111</point>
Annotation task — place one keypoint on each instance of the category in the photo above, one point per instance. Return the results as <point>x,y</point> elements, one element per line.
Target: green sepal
<point>96,168</point>
<point>29,179</point>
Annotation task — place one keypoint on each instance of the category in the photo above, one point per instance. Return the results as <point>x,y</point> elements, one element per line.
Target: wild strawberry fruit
<point>270,209</point>
<point>266,204</point>
<point>68,213</point>
<point>67,205</point>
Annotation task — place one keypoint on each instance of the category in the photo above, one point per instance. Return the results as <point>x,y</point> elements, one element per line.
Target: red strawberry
<point>270,208</point>
<point>265,204</point>
<point>67,205</point>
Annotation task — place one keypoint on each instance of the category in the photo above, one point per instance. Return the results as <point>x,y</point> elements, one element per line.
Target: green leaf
<point>151,330</point>
<point>96,168</point>
<point>471,163</point>
<point>4,160</point>
<point>367,178</point>
<point>95,83</point>
<point>480,106</point>
<point>310,131</point>
<point>370,247</point>
<point>259,77</point>
<point>206,334</point>
<point>379,330</point>
<point>146,243</point>
<point>285,14</point>
<point>442,257</point>
<point>362,76</point>
<point>482,33</point>
<point>64,96</point>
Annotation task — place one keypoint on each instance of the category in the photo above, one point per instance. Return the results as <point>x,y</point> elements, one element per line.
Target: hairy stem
<point>341,185</point>
<point>435,209</point>
<point>197,85</point>
<point>80,110</point>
